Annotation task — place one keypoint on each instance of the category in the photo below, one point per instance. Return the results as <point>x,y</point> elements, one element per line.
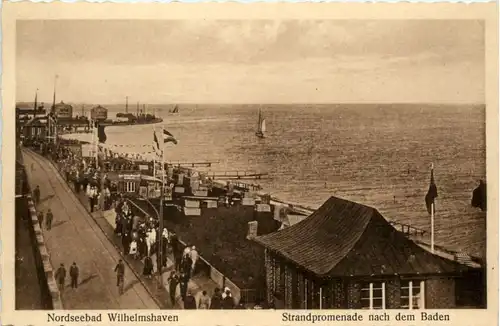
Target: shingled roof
<point>344,238</point>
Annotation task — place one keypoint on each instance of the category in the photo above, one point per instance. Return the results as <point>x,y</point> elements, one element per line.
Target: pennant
<point>155,139</point>
<point>101,134</point>
<point>431,194</point>
<point>479,196</point>
<point>35,107</point>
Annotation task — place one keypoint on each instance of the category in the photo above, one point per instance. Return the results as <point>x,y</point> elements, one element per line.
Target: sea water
<point>378,155</point>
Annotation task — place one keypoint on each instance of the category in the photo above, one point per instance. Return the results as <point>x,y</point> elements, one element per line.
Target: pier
<point>207,164</point>
<point>226,175</point>
<point>246,186</point>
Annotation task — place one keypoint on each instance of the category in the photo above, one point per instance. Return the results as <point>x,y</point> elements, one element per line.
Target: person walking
<point>120,275</point>
<point>73,273</point>
<point>184,280</point>
<point>189,301</point>
<point>187,265</point>
<point>228,301</point>
<point>176,250</point>
<point>148,267</point>
<point>49,218</point>
<point>126,240</point>
<point>61,276</point>
<point>173,281</point>
<point>204,302</point>
<point>193,254</point>
<point>36,195</point>
<point>216,301</point>
<point>40,219</point>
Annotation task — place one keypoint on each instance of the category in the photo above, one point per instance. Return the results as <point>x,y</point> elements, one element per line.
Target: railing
<point>407,229</point>
<point>249,295</point>
<point>247,186</point>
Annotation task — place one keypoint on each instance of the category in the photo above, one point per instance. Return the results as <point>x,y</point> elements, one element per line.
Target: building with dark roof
<point>35,128</point>
<point>348,256</point>
<point>99,113</point>
<point>63,110</point>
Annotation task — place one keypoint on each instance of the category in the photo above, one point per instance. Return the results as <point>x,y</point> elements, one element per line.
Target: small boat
<point>261,125</point>
<point>175,109</point>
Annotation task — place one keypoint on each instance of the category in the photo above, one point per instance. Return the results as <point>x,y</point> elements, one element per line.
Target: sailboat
<point>175,109</point>
<point>261,125</point>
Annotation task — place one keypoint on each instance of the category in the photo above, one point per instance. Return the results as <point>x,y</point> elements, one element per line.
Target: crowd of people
<point>139,233</point>
<point>139,240</point>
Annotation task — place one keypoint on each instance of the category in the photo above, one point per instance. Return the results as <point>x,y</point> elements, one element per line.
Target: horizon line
<point>257,103</point>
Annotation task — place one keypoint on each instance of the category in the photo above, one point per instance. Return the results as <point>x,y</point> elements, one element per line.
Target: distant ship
<point>175,109</point>
<point>261,125</point>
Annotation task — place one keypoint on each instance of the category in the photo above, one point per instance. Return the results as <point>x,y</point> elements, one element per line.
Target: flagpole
<point>154,156</point>
<point>162,195</point>
<point>55,131</point>
<point>432,216</point>
<point>96,149</point>
<point>49,125</point>
<point>432,227</point>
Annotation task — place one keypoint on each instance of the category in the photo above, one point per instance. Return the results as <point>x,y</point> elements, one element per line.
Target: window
<point>412,294</point>
<point>373,295</point>
<point>130,186</point>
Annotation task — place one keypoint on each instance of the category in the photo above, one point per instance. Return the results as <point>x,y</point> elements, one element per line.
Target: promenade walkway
<point>75,237</point>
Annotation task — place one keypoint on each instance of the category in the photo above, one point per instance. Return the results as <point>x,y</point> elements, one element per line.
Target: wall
<point>48,269</point>
<point>345,293</point>
<point>49,289</point>
<point>393,293</point>
<point>221,280</point>
<point>470,289</point>
<point>440,293</point>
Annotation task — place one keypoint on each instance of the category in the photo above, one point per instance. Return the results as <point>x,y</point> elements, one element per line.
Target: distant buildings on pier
<point>33,123</point>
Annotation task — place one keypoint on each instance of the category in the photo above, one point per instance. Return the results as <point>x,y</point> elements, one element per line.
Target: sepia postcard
<point>268,164</point>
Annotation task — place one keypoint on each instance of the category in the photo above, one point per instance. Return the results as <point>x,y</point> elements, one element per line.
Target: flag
<point>54,102</point>
<point>479,196</point>
<point>431,194</point>
<point>101,134</point>
<point>53,118</point>
<point>156,140</point>
<point>168,137</point>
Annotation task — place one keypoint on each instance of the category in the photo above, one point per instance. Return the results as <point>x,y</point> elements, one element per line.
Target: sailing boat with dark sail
<point>175,109</point>
<point>261,125</point>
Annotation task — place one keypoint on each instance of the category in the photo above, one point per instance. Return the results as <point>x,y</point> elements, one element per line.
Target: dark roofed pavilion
<point>346,255</point>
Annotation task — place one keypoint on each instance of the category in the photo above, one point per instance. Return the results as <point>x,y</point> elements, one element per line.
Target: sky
<point>251,61</point>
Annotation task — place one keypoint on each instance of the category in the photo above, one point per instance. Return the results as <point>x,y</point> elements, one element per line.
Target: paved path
<point>76,237</point>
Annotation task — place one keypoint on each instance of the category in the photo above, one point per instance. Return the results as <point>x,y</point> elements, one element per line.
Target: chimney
<point>252,229</point>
